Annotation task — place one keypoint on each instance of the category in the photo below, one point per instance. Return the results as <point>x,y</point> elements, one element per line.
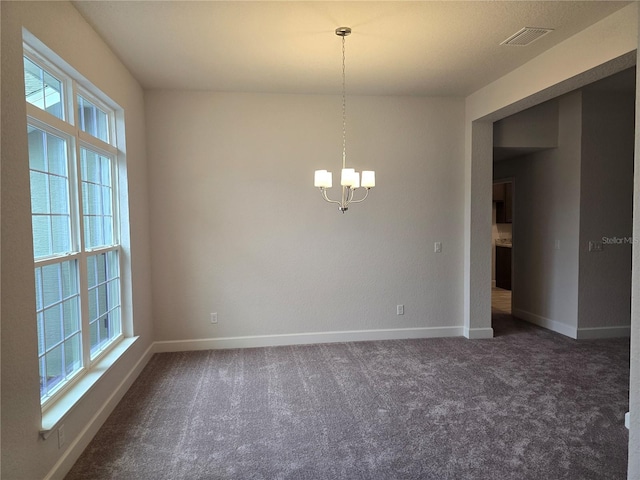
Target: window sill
<point>56,413</point>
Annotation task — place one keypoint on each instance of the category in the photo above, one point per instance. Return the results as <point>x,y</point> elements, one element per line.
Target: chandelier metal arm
<point>324,195</point>
<point>347,197</point>
<point>366,194</point>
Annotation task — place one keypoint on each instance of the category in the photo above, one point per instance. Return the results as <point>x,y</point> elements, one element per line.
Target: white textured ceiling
<point>397,48</point>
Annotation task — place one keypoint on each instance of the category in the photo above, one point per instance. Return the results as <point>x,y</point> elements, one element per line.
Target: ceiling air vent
<point>526,36</point>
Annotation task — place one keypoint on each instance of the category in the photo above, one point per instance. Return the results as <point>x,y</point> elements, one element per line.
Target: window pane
<point>72,354</point>
<point>91,199</point>
<point>93,232</point>
<point>39,193</point>
<point>41,346</point>
<point>94,335</point>
<point>61,230</point>
<point>93,304</point>
<point>42,89</point>
<point>106,200</point>
<point>91,273</point>
<point>50,203</point>
<point>59,326</point>
<point>90,164</point>
<point>51,284</point>
<point>113,289</point>
<point>52,326</point>
<point>54,372</point>
<point>105,171</point>
<point>57,155</point>
<point>41,236</point>
<point>107,229</point>
<point>101,268</point>
<point>93,119</point>
<point>53,96</point>
<point>36,148</point>
<point>113,264</point>
<point>115,323</point>
<point>59,195</point>
<point>38,275</point>
<point>104,300</point>
<point>33,82</point>
<point>97,199</point>
<point>71,318</point>
<point>69,279</point>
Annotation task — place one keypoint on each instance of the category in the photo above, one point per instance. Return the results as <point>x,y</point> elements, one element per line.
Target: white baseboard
<point>478,333</point>
<point>73,452</point>
<point>572,332</point>
<point>604,332</point>
<point>547,323</point>
<point>304,338</point>
<point>627,420</point>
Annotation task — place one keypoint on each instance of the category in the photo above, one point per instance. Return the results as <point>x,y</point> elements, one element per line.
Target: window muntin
<point>104,299</point>
<point>43,89</point>
<point>59,328</point>
<point>50,209</point>
<point>92,119</point>
<point>97,198</point>
<point>75,220</point>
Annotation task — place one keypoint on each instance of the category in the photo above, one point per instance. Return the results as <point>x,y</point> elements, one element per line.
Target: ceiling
<point>439,48</point>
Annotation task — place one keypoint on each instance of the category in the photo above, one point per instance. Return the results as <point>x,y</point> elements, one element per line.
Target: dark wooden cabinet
<point>503,196</point>
<point>503,267</point>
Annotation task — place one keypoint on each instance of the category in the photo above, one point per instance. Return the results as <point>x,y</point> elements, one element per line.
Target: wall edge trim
<point>548,323</point>
<point>604,332</point>
<point>304,338</point>
<point>478,333</point>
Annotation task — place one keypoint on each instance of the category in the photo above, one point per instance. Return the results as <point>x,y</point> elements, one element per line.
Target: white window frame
<point>69,129</point>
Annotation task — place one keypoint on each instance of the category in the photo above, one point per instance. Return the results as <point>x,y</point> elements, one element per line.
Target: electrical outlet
<point>400,310</point>
<point>61,436</point>
<point>595,246</point>
<point>214,318</point>
<point>437,247</point>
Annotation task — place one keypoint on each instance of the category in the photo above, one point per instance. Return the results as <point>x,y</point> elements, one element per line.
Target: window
<point>74,212</point>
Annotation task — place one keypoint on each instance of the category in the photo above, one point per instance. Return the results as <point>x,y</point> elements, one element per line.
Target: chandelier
<point>349,178</point>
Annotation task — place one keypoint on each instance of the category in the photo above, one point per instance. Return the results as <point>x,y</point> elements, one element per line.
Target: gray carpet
<point>528,404</point>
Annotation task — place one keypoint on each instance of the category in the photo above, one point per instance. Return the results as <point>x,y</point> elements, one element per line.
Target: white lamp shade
<point>368,178</point>
<point>356,180</point>
<point>323,179</point>
<point>347,177</point>
<point>319,177</point>
<point>328,180</point>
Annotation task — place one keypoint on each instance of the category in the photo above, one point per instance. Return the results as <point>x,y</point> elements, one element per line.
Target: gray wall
<point>565,197</point>
<point>606,203</point>
<point>546,215</point>
<point>240,230</point>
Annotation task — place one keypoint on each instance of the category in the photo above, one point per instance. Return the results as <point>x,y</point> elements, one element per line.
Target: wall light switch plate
<point>400,310</point>
<point>214,318</point>
<point>437,247</point>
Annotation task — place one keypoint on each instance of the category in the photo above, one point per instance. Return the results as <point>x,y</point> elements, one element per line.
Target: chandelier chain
<point>344,108</point>
<point>349,178</point>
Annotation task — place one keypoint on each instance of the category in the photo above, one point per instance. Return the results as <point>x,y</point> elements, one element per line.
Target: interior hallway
<point>500,301</point>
